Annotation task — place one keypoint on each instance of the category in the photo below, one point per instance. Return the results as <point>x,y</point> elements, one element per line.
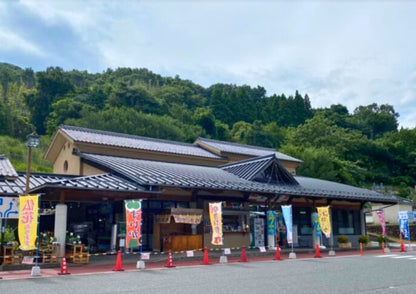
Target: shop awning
<point>181,216</point>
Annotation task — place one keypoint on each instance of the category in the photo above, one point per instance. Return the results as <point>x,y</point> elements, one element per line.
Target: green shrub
<point>343,239</point>
<point>363,239</point>
<point>381,239</point>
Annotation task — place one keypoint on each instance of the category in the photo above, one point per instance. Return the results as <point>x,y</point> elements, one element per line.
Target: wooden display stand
<point>9,257</point>
<point>52,254</point>
<point>75,253</point>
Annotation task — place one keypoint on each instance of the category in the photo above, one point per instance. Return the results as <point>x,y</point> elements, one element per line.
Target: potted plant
<point>343,241</point>
<point>381,239</point>
<point>363,239</point>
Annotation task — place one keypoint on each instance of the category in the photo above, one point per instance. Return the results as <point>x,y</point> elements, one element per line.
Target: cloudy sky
<point>349,52</point>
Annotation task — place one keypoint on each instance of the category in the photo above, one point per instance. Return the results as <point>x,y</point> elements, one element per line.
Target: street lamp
<point>33,141</point>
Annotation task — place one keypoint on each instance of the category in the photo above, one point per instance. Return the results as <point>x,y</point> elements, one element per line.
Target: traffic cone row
<point>64,267</point>
<point>118,267</point>
<point>206,259</point>
<point>243,255</point>
<point>170,261</point>
<point>277,256</point>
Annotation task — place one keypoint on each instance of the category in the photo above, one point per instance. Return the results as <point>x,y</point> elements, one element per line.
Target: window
<point>65,166</point>
<point>346,221</point>
<point>302,218</point>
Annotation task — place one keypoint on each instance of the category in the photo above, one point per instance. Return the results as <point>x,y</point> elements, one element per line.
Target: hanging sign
<point>287,215</point>
<point>28,221</point>
<point>382,221</point>
<point>187,219</point>
<point>316,225</point>
<point>324,220</point>
<point>133,222</point>
<point>215,215</point>
<point>271,223</point>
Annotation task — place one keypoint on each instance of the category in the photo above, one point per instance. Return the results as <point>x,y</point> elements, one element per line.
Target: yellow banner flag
<point>215,215</point>
<point>28,221</point>
<point>324,220</point>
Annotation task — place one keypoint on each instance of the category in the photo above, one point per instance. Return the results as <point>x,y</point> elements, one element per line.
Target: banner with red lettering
<point>28,221</point>
<point>215,215</point>
<point>382,221</point>
<point>133,222</point>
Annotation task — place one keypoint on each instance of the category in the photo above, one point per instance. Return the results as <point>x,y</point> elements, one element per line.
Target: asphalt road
<point>353,274</point>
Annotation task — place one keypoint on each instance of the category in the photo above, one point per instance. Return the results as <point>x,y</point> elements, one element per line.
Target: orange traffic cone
<point>170,262</point>
<point>382,247</point>
<point>118,267</point>
<point>361,248</point>
<point>64,268</point>
<point>206,259</point>
<point>402,249</point>
<point>243,255</point>
<point>317,252</point>
<point>277,257</point>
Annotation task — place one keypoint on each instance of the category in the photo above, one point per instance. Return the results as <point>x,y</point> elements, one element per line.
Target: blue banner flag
<point>287,215</point>
<point>404,228</point>
<point>271,223</point>
<point>317,226</point>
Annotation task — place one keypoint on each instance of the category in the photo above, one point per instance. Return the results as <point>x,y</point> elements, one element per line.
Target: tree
<point>51,86</point>
<point>374,120</point>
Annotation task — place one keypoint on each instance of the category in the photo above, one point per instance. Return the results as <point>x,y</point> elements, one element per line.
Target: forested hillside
<point>362,147</point>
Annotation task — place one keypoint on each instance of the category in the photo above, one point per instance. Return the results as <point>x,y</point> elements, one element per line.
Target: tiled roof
<point>17,186</point>
<point>153,173</point>
<point>6,168</point>
<point>245,149</point>
<point>106,182</point>
<point>85,135</point>
<point>251,168</point>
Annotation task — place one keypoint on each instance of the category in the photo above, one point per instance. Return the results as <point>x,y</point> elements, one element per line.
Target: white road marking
<point>403,256</point>
<point>388,255</point>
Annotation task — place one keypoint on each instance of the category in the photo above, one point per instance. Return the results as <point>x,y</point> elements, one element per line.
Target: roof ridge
<point>247,160</point>
<point>237,144</point>
<point>124,135</point>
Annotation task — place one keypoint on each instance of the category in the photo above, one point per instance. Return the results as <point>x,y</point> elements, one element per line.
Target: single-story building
<point>94,171</point>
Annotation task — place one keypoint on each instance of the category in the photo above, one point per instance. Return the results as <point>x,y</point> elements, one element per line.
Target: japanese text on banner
<point>325,220</point>
<point>215,215</point>
<point>28,221</point>
<point>133,222</point>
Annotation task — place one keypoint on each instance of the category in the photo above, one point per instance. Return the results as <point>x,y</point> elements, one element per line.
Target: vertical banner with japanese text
<point>215,215</point>
<point>271,223</point>
<point>382,221</point>
<point>325,220</point>
<point>133,222</point>
<point>28,221</point>
<point>316,225</point>
<point>287,215</point>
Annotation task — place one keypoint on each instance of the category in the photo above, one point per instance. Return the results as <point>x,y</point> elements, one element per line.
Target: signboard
<point>9,207</point>
<point>258,232</point>
<point>409,215</point>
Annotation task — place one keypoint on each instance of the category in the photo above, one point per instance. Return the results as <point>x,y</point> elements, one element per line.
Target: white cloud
<point>353,53</point>
<point>10,42</point>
